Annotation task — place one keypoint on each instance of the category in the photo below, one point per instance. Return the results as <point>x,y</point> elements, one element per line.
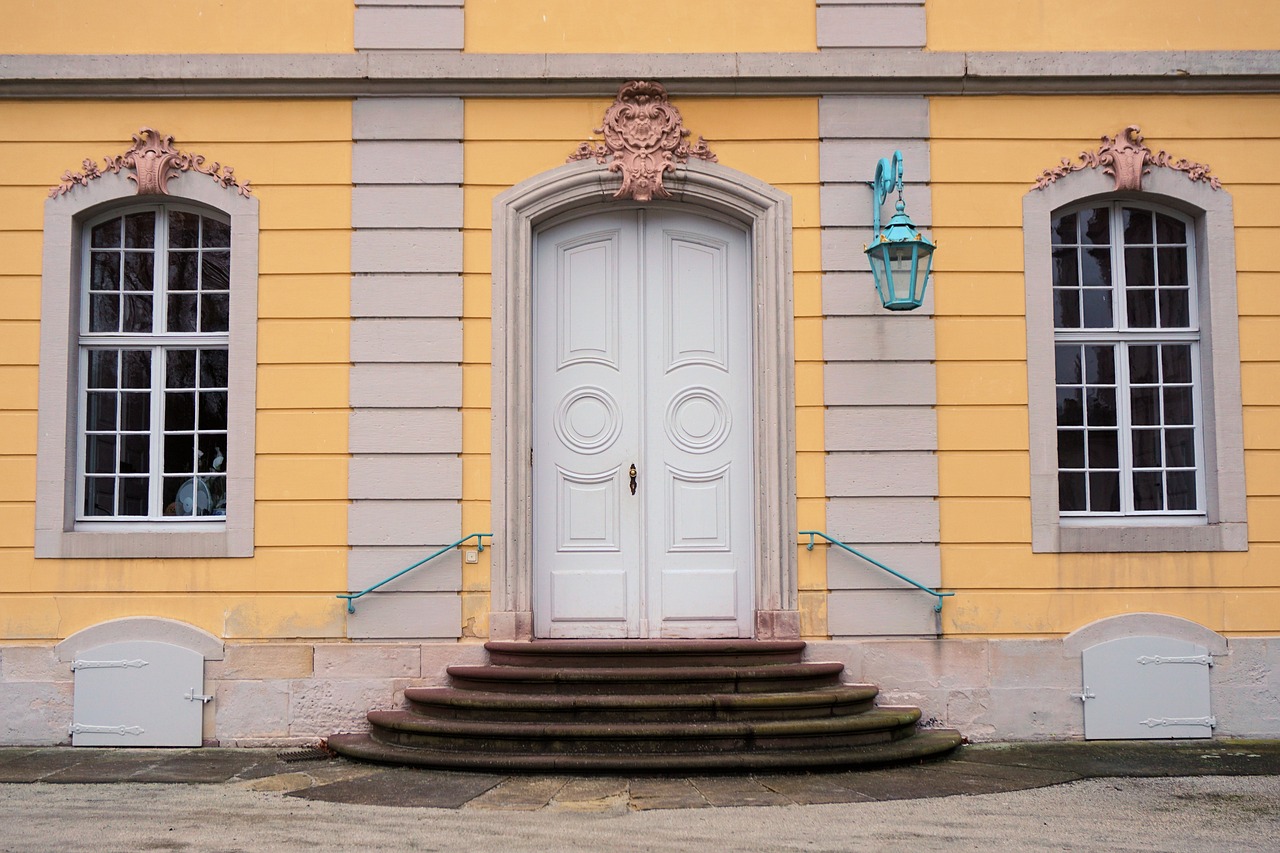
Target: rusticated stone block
<point>437,656</point>
<point>251,709</point>
<point>1033,663</point>
<point>928,664</point>
<point>36,713</point>
<point>258,661</point>
<point>366,660</point>
<point>323,706</point>
<point>33,663</point>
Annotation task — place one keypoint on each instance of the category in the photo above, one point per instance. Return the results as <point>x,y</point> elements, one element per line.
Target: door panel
<point>642,358</point>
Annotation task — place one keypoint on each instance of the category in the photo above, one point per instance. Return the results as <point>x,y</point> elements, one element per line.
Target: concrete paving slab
<point>36,765</point>
<point>812,789</point>
<point>1091,759</point>
<point>600,794</point>
<point>652,793</point>
<point>520,793</point>
<point>201,765</point>
<point>737,791</point>
<point>405,788</point>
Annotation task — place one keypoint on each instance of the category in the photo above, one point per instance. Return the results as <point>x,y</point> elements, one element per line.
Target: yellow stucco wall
<point>986,154</point>
<point>1070,25</point>
<point>178,26</point>
<point>659,26</point>
<point>298,157</point>
<point>774,140</point>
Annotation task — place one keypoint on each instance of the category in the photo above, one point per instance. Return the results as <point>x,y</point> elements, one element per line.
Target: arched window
<point>1133,366</point>
<point>148,359</point>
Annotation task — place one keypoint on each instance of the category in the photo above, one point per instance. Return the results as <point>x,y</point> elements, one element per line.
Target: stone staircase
<point>645,706</point>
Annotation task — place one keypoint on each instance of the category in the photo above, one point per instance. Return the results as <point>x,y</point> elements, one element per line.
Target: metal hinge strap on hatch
<point>81,729</point>
<point>1202,660</point>
<point>107,664</point>
<point>1208,722</point>
<point>192,696</point>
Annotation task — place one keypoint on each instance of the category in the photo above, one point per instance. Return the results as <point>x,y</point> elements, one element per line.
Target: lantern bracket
<point>888,178</point>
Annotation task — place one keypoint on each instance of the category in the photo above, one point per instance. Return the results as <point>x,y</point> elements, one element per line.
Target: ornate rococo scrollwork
<point>153,161</point>
<point>644,138</point>
<point>1126,158</point>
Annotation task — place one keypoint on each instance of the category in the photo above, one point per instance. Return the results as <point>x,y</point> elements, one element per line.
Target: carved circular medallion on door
<point>698,420</point>
<point>588,419</point>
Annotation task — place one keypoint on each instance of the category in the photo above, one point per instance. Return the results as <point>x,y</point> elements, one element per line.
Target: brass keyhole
<point>633,478</point>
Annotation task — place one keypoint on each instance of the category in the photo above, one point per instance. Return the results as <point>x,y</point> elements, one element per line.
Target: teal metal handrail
<point>937,607</point>
<point>352,596</point>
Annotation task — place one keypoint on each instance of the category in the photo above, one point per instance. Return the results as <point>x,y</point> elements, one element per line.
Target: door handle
<point>633,478</point>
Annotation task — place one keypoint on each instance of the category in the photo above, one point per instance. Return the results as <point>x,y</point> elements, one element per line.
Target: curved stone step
<point>922,745</point>
<point>628,653</point>
<point>405,728</point>
<point>773,678</point>
<point>449,702</point>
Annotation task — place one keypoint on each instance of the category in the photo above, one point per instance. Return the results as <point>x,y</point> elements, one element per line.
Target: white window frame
<point>58,532</point>
<point>1222,524</point>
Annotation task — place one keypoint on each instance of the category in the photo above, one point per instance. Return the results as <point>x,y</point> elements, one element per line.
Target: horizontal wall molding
<point>838,71</point>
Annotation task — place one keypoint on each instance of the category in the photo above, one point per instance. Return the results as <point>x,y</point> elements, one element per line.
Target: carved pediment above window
<point>1126,158</point>
<point>151,163</point>
<point>644,138</point>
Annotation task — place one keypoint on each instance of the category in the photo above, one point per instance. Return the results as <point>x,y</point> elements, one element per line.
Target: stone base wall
<point>269,694</point>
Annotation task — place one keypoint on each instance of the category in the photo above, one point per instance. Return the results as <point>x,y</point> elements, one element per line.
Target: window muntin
<point>154,367</point>
<point>1126,362</point>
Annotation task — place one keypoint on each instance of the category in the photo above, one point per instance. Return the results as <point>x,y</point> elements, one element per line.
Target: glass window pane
<point>210,452</point>
<point>100,410</point>
<point>1143,365</point>
<point>179,453</point>
<point>1070,448</point>
<point>1100,365</point>
<point>1097,226</point>
<point>1104,450</point>
<point>184,271</point>
<point>1146,448</point>
<point>1139,267</point>
<point>1070,407</point>
<point>135,411</point>
<point>1176,361</point>
<point>1142,308</point>
<point>216,234</point>
<point>99,496</point>
<point>179,411</point>
<point>1175,309</point>
<point>1102,407</point>
<point>1148,491</point>
<point>1066,309</point>
<point>180,368</point>
<point>102,368</point>
<point>169,495</point>
<point>1066,271</point>
<point>1064,229</point>
<point>104,312</point>
<point>136,316</point>
<point>1071,492</point>
<point>1180,448</point>
<point>182,312</point>
<point>1173,267</point>
<point>140,230</point>
<point>100,454</point>
<point>1095,268</point>
<point>213,410</point>
<point>213,368</point>
<point>1097,309</point>
<point>215,271</point>
<point>1181,486</point>
<point>1170,230</point>
<point>104,271</point>
<point>1067,364</point>
<point>184,230</point>
<point>133,496</point>
<point>106,235</point>
<point>1145,406</point>
<point>135,454</point>
<point>139,271</point>
<point>214,309</point>
<point>1177,406</point>
<point>1104,491</point>
<point>137,368</point>
<point>1137,225</point>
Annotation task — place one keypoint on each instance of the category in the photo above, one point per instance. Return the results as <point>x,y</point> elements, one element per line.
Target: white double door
<point>642,427</point>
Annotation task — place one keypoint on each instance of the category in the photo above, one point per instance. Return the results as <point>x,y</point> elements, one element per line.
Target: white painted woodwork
<point>642,357</point>
<point>138,693</point>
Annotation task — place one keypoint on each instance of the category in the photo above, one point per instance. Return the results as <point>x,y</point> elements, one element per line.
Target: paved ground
<point>1186,795</point>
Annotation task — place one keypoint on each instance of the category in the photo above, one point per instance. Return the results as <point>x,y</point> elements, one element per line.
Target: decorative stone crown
<point>153,162</point>
<point>1126,158</point>
<point>644,138</point>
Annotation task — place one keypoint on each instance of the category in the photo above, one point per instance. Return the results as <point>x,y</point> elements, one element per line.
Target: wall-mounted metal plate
<point>1142,688</point>
<point>138,694</point>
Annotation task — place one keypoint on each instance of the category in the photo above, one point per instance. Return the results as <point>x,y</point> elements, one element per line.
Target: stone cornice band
<point>880,71</point>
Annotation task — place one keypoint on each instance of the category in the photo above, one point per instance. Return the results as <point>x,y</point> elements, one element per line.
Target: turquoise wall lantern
<point>901,259</point>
